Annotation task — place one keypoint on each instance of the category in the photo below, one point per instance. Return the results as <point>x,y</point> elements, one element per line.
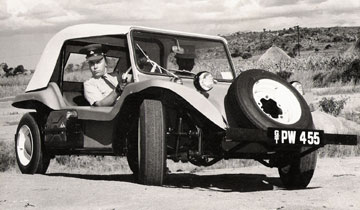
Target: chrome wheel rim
<point>276,101</point>
<point>25,145</point>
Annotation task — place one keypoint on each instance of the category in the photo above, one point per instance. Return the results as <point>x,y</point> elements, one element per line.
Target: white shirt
<point>96,89</point>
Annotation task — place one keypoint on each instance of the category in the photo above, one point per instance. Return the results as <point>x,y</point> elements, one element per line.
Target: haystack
<point>274,54</point>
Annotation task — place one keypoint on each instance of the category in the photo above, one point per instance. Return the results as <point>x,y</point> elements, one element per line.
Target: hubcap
<point>25,145</point>
<point>277,101</point>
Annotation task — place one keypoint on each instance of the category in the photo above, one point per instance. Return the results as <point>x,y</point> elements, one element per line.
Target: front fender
<point>193,97</point>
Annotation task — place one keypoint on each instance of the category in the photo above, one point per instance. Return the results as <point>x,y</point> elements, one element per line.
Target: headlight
<point>204,81</point>
<point>298,86</point>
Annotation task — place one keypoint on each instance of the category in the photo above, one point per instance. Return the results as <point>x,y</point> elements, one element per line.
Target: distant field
<point>320,41</point>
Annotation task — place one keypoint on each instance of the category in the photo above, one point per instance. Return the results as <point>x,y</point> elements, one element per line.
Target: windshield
<point>180,55</point>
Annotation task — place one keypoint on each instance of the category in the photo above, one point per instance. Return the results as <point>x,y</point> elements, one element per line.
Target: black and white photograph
<point>180,105</point>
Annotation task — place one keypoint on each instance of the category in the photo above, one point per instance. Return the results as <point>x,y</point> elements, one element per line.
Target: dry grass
<point>7,156</point>
<point>337,89</point>
<point>7,91</point>
<point>352,116</point>
<point>13,85</point>
<point>20,79</point>
<point>89,165</point>
<point>339,151</point>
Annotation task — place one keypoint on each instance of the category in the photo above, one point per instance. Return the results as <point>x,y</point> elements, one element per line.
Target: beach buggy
<point>199,115</point>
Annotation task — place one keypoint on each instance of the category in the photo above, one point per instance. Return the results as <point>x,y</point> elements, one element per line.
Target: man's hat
<point>94,52</point>
<point>189,52</point>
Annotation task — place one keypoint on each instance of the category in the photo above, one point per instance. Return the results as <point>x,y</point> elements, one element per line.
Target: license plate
<point>296,136</point>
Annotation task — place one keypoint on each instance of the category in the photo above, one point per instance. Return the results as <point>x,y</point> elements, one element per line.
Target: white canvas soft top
<point>47,62</point>
<point>48,59</point>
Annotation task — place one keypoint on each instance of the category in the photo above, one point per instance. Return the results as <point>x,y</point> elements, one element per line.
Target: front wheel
<point>30,153</point>
<point>147,148</point>
<point>132,148</point>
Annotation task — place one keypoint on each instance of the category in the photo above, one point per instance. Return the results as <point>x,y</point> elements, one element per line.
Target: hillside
<point>331,40</point>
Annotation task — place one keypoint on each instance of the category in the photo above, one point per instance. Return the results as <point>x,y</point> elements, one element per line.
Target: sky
<point>27,25</point>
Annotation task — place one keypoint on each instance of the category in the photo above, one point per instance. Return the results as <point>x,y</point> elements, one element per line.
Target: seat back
<point>73,94</point>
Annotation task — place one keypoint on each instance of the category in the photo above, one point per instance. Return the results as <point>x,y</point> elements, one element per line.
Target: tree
<point>69,67</point>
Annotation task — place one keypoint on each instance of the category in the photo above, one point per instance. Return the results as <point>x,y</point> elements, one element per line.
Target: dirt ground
<point>335,185</point>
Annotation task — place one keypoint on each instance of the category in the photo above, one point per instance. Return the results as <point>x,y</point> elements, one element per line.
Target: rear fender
<point>49,96</point>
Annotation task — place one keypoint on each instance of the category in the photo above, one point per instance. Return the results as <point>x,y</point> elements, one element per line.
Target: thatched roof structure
<point>274,54</point>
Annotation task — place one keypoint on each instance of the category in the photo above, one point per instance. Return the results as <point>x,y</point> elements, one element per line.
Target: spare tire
<point>261,99</point>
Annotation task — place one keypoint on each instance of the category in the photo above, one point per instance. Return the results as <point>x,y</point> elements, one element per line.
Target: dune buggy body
<point>200,115</point>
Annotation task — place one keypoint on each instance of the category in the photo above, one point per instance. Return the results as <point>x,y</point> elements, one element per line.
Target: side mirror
<point>177,49</point>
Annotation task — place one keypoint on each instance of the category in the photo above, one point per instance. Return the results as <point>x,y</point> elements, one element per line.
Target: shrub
<point>318,79</point>
<point>291,54</point>
<point>264,46</point>
<point>327,47</point>
<point>352,72</point>
<point>236,53</point>
<point>7,155</point>
<point>297,47</point>
<point>284,74</point>
<point>332,77</point>
<point>325,79</point>
<point>337,38</point>
<point>246,55</point>
<point>332,106</point>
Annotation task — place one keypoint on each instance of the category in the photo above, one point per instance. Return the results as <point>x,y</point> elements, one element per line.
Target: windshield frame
<point>201,37</point>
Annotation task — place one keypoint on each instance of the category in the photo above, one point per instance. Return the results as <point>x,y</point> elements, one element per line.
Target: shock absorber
<point>178,136</point>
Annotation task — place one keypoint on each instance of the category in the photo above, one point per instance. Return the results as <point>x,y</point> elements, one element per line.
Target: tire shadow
<point>95,177</point>
<point>225,182</point>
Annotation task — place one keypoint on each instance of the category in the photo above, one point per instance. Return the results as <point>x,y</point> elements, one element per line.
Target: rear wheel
<point>298,173</point>
<point>30,152</point>
<point>260,99</point>
<point>147,156</point>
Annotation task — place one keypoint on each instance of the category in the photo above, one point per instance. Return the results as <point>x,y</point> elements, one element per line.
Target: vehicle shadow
<point>216,182</point>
